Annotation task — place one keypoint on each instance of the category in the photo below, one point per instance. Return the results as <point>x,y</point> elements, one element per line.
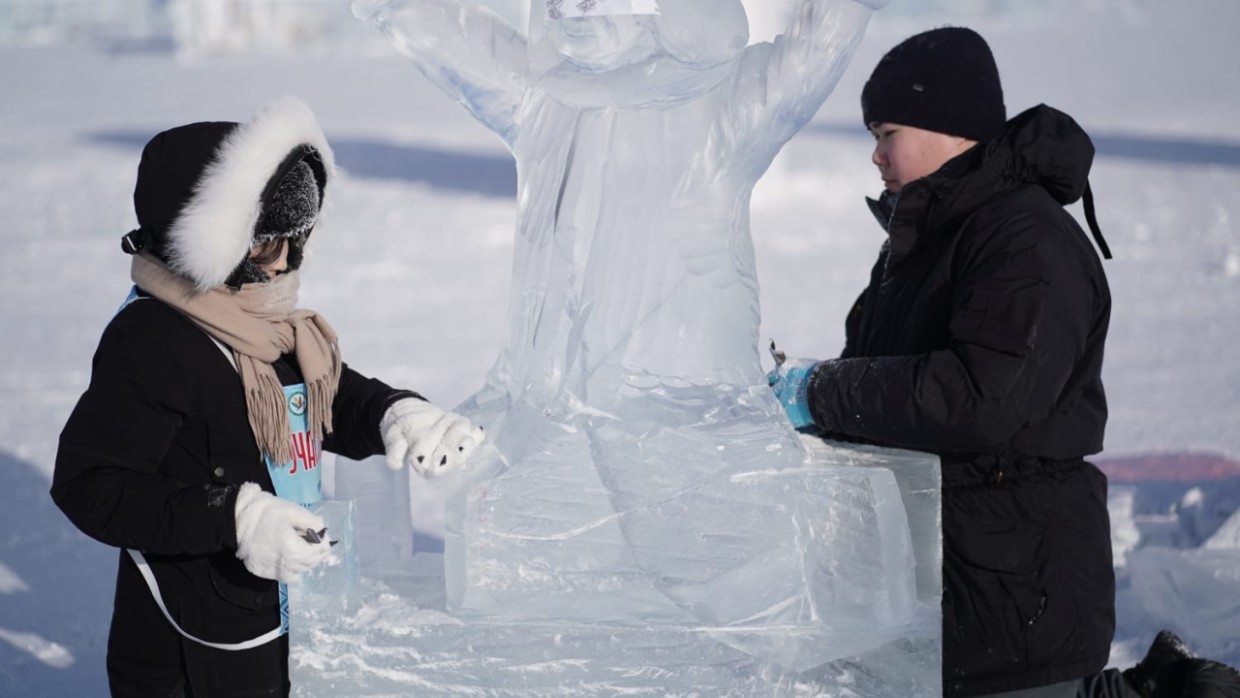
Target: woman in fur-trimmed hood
<point>195,448</point>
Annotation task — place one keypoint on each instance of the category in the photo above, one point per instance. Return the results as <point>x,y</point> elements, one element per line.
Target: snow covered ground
<point>412,268</point>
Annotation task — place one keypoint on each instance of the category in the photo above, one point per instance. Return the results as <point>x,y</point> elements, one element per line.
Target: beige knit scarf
<point>259,323</point>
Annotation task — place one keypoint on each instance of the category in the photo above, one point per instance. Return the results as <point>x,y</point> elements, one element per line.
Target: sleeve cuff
<point>222,504</point>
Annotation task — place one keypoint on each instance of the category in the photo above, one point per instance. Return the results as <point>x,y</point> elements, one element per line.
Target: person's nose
<point>878,157</point>
<point>281,263</point>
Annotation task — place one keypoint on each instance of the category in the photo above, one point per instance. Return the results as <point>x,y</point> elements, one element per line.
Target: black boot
<point>1163,666</point>
<point>1171,670</point>
<point>1209,679</point>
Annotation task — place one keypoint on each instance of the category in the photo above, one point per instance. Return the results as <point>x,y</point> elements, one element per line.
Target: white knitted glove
<point>269,535</point>
<point>426,438</point>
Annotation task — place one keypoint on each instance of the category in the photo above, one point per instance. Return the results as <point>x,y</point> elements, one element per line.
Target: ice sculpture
<point>643,477</point>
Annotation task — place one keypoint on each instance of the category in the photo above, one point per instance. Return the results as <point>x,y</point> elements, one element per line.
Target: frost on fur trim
<point>214,231</point>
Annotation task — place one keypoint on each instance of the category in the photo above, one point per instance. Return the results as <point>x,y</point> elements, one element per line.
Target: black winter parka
<point>980,339</point>
<point>151,459</point>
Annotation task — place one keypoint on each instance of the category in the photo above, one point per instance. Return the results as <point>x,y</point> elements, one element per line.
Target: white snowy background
<point>412,262</point>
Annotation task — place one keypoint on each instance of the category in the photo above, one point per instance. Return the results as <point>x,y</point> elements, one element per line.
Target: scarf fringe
<point>320,414</point>
<point>264,403</point>
<point>320,389</point>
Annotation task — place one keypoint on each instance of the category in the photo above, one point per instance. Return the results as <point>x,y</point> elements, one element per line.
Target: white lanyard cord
<point>145,570</point>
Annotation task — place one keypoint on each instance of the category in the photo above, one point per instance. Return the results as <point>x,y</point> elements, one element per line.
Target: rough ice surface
<point>1181,541</point>
<point>644,517</point>
<point>404,641</point>
<point>558,9</point>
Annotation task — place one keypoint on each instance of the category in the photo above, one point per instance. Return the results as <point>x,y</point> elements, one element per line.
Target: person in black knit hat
<point>980,339</point>
<point>943,80</point>
<point>196,446</point>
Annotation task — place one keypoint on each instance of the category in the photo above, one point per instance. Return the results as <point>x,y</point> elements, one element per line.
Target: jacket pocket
<point>234,584</point>
<point>993,593</point>
<point>1001,315</point>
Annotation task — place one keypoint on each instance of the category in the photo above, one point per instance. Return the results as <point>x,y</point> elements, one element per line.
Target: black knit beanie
<point>942,80</point>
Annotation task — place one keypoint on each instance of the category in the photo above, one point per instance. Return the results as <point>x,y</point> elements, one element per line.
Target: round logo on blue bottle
<point>297,403</point>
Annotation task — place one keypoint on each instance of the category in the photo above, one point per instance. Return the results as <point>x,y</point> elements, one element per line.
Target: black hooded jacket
<point>153,454</point>
<point>980,339</point>
<point>151,459</point>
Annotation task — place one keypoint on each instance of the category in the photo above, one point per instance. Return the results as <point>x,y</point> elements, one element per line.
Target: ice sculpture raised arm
<point>781,84</point>
<point>647,471</point>
<point>469,52</point>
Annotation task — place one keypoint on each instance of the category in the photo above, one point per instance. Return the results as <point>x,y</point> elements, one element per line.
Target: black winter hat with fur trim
<point>942,80</point>
<point>207,192</point>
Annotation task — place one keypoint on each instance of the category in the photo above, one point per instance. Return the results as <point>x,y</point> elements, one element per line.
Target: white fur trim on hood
<point>213,232</point>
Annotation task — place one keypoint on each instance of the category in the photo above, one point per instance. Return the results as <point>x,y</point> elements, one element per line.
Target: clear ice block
<point>334,587</point>
<point>403,641</point>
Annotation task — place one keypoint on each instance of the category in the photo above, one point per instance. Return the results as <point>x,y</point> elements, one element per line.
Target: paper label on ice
<point>557,9</point>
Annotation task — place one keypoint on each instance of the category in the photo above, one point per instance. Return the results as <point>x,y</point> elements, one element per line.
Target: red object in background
<point>1168,467</point>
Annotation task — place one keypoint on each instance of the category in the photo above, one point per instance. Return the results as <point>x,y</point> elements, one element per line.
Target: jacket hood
<point>1041,146</point>
<point>1046,146</point>
<point>202,188</point>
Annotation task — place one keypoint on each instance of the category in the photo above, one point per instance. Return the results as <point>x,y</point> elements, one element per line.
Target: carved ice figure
<point>643,471</point>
